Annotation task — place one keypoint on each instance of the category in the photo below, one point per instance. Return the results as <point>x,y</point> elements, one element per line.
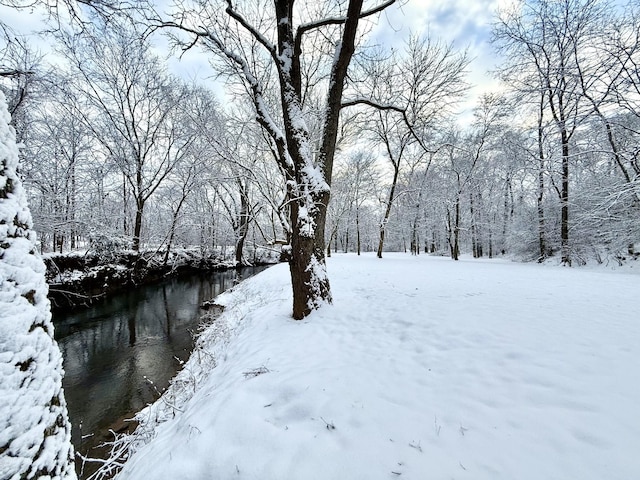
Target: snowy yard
<point>423,368</point>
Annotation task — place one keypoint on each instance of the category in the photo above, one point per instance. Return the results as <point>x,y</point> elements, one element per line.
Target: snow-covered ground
<point>423,368</point>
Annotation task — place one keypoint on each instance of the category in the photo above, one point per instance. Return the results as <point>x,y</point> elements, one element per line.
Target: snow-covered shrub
<point>35,434</point>
<point>107,247</point>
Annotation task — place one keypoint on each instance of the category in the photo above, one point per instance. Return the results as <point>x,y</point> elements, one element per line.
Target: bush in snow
<point>35,434</point>
<point>107,246</point>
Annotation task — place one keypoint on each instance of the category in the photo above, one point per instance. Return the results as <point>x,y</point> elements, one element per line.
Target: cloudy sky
<point>466,23</point>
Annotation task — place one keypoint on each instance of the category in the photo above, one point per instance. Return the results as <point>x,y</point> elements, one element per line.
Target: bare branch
<point>15,73</point>
<point>264,41</point>
<point>302,29</point>
<point>394,108</point>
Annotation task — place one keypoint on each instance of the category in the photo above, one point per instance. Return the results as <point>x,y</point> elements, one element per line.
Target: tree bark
<point>172,232</point>
<point>243,224</point>
<point>453,229</point>
<point>542,244</point>
<point>358,230</point>
<point>564,200</point>
<point>309,280</point>
<point>456,231</point>
<point>383,223</point>
<point>387,212</point>
<point>474,239</point>
<point>137,225</point>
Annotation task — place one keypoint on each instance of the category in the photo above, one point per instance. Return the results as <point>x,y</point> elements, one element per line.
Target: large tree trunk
<point>387,212</point>
<point>242,230</point>
<point>307,264</point>
<point>542,243</point>
<point>307,174</point>
<point>564,201</point>
<point>309,279</point>
<point>137,225</point>
<point>358,230</point>
<point>453,230</point>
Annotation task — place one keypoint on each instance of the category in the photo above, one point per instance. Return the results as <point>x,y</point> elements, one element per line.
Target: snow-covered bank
<point>423,368</point>
<point>77,279</point>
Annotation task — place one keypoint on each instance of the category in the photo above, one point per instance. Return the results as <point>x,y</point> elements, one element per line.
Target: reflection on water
<point>122,351</point>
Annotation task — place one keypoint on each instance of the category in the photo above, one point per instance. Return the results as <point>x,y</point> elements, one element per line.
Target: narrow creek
<point>120,353</point>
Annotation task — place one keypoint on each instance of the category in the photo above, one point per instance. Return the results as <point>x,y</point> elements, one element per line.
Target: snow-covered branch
<point>264,41</point>
<point>390,107</point>
<point>302,29</point>
<point>263,115</point>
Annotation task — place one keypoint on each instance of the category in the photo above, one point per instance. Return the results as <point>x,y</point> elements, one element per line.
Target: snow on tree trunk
<point>309,182</point>
<point>307,171</point>
<point>35,434</point>
<point>137,226</point>
<point>309,279</point>
<point>242,223</point>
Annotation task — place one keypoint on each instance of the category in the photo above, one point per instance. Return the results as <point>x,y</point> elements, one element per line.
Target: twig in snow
<point>416,446</point>
<point>330,426</point>
<point>254,372</point>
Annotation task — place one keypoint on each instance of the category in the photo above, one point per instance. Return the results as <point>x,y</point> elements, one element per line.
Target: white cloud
<point>464,23</point>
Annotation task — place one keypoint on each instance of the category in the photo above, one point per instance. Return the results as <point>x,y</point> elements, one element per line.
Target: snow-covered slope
<point>422,368</point>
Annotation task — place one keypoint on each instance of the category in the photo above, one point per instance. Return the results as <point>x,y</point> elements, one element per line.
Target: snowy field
<point>423,368</point>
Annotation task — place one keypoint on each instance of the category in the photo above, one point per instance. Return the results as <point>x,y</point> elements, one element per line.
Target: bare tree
<point>412,94</point>
<point>397,143</point>
<point>132,107</point>
<point>545,41</point>
<point>357,179</point>
<point>275,40</point>
<point>58,152</point>
<point>610,82</point>
<point>235,188</point>
<point>20,76</point>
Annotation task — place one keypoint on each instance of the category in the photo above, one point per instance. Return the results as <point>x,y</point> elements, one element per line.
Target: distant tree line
<point>117,152</point>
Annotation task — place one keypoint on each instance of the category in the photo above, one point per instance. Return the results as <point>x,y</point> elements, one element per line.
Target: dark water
<point>114,350</point>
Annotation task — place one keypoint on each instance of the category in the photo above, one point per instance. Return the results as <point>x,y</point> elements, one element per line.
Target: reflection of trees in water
<point>131,323</point>
<point>109,349</point>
